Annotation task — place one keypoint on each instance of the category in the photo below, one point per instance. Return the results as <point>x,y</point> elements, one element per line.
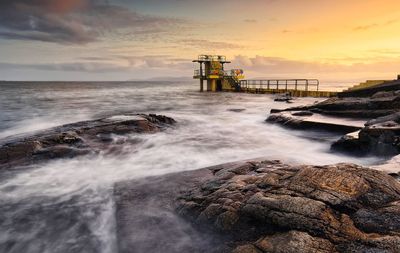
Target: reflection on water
<point>66,205</point>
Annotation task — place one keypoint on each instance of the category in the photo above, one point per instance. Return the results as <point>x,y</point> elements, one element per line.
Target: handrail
<point>222,73</point>
<point>212,58</point>
<point>276,84</point>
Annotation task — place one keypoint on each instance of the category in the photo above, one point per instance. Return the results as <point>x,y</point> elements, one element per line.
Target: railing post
<point>306,85</point>
<point>295,85</point>
<point>201,77</point>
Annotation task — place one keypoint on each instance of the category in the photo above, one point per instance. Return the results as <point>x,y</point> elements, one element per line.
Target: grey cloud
<point>94,67</point>
<point>75,21</point>
<point>107,64</point>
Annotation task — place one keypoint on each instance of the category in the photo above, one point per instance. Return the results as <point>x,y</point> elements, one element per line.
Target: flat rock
<point>380,136</point>
<point>391,166</point>
<point>377,117</point>
<point>75,139</point>
<point>305,120</point>
<point>354,107</point>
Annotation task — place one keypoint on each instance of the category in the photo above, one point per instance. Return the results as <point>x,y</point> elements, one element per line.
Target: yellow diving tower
<point>212,70</point>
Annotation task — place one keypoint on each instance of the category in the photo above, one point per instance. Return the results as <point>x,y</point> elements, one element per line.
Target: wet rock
<point>249,248</point>
<point>305,121</point>
<point>146,220</point>
<point>357,107</point>
<point>392,118</point>
<point>275,207</point>
<point>76,139</point>
<point>383,94</point>
<point>236,110</point>
<point>294,242</point>
<point>392,166</point>
<point>380,136</point>
<point>381,220</point>
<point>302,113</point>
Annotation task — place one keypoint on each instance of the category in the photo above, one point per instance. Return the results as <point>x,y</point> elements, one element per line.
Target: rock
<point>76,139</point>
<point>380,137</point>
<point>273,207</point>
<point>385,87</point>
<point>302,113</point>
<point>392,166</point>
<point>350,143</point>
<point>384,94</point>
<point>236,110</point>
<point>356,107</point>
<point>309,121</point>
<point>146,220</point>
<point>394,118</point>
<point>248,248</point>
<point>294,242</point>
<point>381,220</point>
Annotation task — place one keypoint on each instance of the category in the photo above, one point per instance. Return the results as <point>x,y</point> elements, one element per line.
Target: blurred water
<point>67,205</point>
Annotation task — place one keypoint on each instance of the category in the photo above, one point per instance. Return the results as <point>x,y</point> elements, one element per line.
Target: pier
<point>218,79</point>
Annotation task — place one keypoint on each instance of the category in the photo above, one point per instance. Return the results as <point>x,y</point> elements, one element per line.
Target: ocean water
<point>67,205</point>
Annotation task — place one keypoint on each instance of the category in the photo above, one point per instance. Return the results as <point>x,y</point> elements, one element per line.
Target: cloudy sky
<point>138,39</point>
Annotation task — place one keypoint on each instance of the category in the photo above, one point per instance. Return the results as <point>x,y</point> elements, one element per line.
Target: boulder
<point>76,139</point>
<point>380,136</point>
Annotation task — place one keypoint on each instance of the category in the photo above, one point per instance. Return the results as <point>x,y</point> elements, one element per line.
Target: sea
<point>67,205</point>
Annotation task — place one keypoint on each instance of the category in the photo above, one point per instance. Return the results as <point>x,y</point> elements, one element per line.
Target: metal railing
<point>222,73</point>
<point>197,73</point>
<point>212,58</point>
<point>281,84</point>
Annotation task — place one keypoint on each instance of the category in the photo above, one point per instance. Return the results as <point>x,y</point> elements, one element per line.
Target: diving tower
<point>212,71</point>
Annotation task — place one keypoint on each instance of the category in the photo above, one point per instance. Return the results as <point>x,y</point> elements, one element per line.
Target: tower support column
<point>201,77</point>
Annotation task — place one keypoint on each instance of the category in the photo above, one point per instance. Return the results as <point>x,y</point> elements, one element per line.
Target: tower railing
<point>220,58</point>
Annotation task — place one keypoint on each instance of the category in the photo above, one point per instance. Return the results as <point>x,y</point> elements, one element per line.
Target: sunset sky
<point>341,40</point>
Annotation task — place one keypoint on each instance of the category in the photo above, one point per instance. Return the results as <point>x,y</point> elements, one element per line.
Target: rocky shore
<point>379,135</point>
<point>261,206</point>
<point>76,139</point>
<point>254,206</point>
